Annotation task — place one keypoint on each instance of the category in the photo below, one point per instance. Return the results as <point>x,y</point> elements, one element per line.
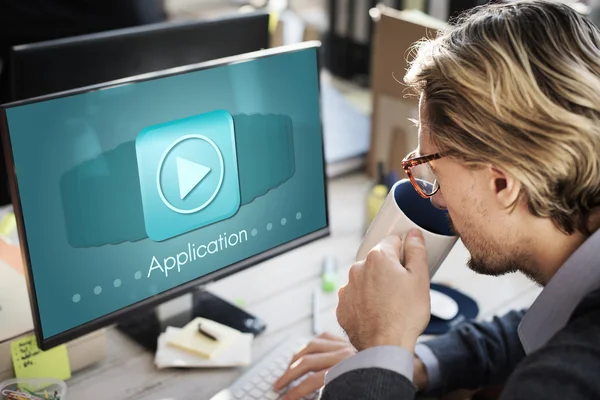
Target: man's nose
<point>438,201</point>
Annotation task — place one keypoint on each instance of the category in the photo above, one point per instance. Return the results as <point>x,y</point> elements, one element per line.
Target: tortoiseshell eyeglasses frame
<point>408,163</point>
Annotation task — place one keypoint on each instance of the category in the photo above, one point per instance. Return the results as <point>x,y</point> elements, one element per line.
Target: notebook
<point>189,339</point>
<point>238,353</point>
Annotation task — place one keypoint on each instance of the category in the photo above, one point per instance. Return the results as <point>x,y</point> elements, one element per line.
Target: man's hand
<point>321,354</point>
<point>385,303</point>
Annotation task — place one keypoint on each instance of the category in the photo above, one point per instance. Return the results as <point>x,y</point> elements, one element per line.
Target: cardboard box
<point>392,134</point>
<point>398,146</point>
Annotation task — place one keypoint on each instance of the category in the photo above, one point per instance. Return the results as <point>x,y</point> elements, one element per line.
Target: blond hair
<point>517,85</point>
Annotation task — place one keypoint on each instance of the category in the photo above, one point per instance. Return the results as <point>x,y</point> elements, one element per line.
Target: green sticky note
<point>31,362</point>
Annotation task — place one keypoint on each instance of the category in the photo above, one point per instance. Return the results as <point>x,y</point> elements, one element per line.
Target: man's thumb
<point>415,253</point>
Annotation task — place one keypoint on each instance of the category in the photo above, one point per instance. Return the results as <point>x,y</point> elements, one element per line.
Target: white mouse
<point>442,305</point>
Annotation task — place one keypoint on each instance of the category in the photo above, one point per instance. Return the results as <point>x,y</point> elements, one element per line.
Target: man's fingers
<point>311,384</point>
<point>288,377</point>
<point>319,345</point>
<point>390,244</point>
<point>331,336</point>
<point>298,369</point>
<point>415,253</point>
<point>306,364</point>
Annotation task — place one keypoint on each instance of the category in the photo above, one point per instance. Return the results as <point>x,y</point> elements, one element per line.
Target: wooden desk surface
<point>280,292</point>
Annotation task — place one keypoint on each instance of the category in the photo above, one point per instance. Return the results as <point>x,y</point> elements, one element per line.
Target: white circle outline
<point>160,166</point>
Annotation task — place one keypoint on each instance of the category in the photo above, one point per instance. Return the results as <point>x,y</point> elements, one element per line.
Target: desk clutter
<point>39,374</point>
<point>33,389</point>
<point>203,343</point>
<point>31,362</point>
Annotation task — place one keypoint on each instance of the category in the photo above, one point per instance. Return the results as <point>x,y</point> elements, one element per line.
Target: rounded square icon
<point>188,173</point>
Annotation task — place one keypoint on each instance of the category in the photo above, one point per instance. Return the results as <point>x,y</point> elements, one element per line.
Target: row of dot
<point>283,221</point>
<point>98,289</point>
<point>138,275</point>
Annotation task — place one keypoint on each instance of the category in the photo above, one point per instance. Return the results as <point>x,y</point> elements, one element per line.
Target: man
<point>509,139</point>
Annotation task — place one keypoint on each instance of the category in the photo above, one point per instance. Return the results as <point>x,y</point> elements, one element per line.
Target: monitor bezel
<point>17,52</point>
<point>155,300</point>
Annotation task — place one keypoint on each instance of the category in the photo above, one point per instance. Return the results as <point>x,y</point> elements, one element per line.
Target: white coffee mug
<point>404,209</point>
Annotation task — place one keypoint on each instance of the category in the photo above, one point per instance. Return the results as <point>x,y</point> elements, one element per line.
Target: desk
<point>281,294</point>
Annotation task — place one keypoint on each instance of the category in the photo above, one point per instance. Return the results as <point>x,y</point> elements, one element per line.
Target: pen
<point>315,312</point>
<point>204,332</point>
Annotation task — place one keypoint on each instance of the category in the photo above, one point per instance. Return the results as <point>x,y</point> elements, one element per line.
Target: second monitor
<point>64,64</point>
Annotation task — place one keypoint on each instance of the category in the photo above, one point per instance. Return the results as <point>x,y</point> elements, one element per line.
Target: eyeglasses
<point>421,174</point>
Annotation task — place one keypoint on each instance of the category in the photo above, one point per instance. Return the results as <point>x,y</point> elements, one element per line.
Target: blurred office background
<point>363,50</point>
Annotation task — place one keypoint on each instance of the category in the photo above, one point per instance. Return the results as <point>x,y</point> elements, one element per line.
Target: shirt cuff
<point>393,358</point>
<point>432,365</point>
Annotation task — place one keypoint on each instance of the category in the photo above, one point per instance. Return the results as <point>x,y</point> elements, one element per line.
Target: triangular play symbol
<point>189,174</point>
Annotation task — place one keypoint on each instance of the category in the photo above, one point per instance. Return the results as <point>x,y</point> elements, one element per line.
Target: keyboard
<point>257,382</point>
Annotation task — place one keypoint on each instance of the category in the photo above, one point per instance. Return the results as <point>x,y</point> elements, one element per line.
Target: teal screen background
<point>64,149</point>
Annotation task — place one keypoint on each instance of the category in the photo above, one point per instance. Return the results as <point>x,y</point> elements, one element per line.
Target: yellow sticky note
<point>8,224</point>
<point>31,362</point>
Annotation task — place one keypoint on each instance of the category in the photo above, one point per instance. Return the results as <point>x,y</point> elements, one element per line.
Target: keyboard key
<point>240,394</point>
<point>256,380</point>
<point>247,387</point>
<point>264,372</point>
<point>264,386</point>
<point>272,367</point>
<point>277,373</point>
<point>257,394</point>
<point>271,395</point>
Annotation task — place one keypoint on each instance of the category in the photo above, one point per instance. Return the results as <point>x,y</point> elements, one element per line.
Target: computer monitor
<point>130,193</point>
<point>63,64</point>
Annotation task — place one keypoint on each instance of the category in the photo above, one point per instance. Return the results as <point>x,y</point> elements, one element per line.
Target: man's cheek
<point>451,223</point>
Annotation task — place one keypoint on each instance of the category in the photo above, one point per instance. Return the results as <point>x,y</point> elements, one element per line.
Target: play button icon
<point>189,175</point>
<point>186,184</point>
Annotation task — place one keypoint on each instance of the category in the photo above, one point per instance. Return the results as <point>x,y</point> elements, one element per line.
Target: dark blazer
<point>566,368</point>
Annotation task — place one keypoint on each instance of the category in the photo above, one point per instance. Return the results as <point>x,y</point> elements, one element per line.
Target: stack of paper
<point>187,348</point>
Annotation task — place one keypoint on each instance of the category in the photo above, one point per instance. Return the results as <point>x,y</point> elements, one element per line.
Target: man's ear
<point>504,186</point>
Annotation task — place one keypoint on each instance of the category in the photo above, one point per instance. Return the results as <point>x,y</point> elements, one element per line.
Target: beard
<point>487,258</point>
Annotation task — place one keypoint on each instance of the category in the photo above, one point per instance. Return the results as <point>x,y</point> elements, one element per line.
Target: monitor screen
<point>136,191</point>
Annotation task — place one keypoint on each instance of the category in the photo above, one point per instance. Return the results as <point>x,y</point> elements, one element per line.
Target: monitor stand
<point>145,327</point>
